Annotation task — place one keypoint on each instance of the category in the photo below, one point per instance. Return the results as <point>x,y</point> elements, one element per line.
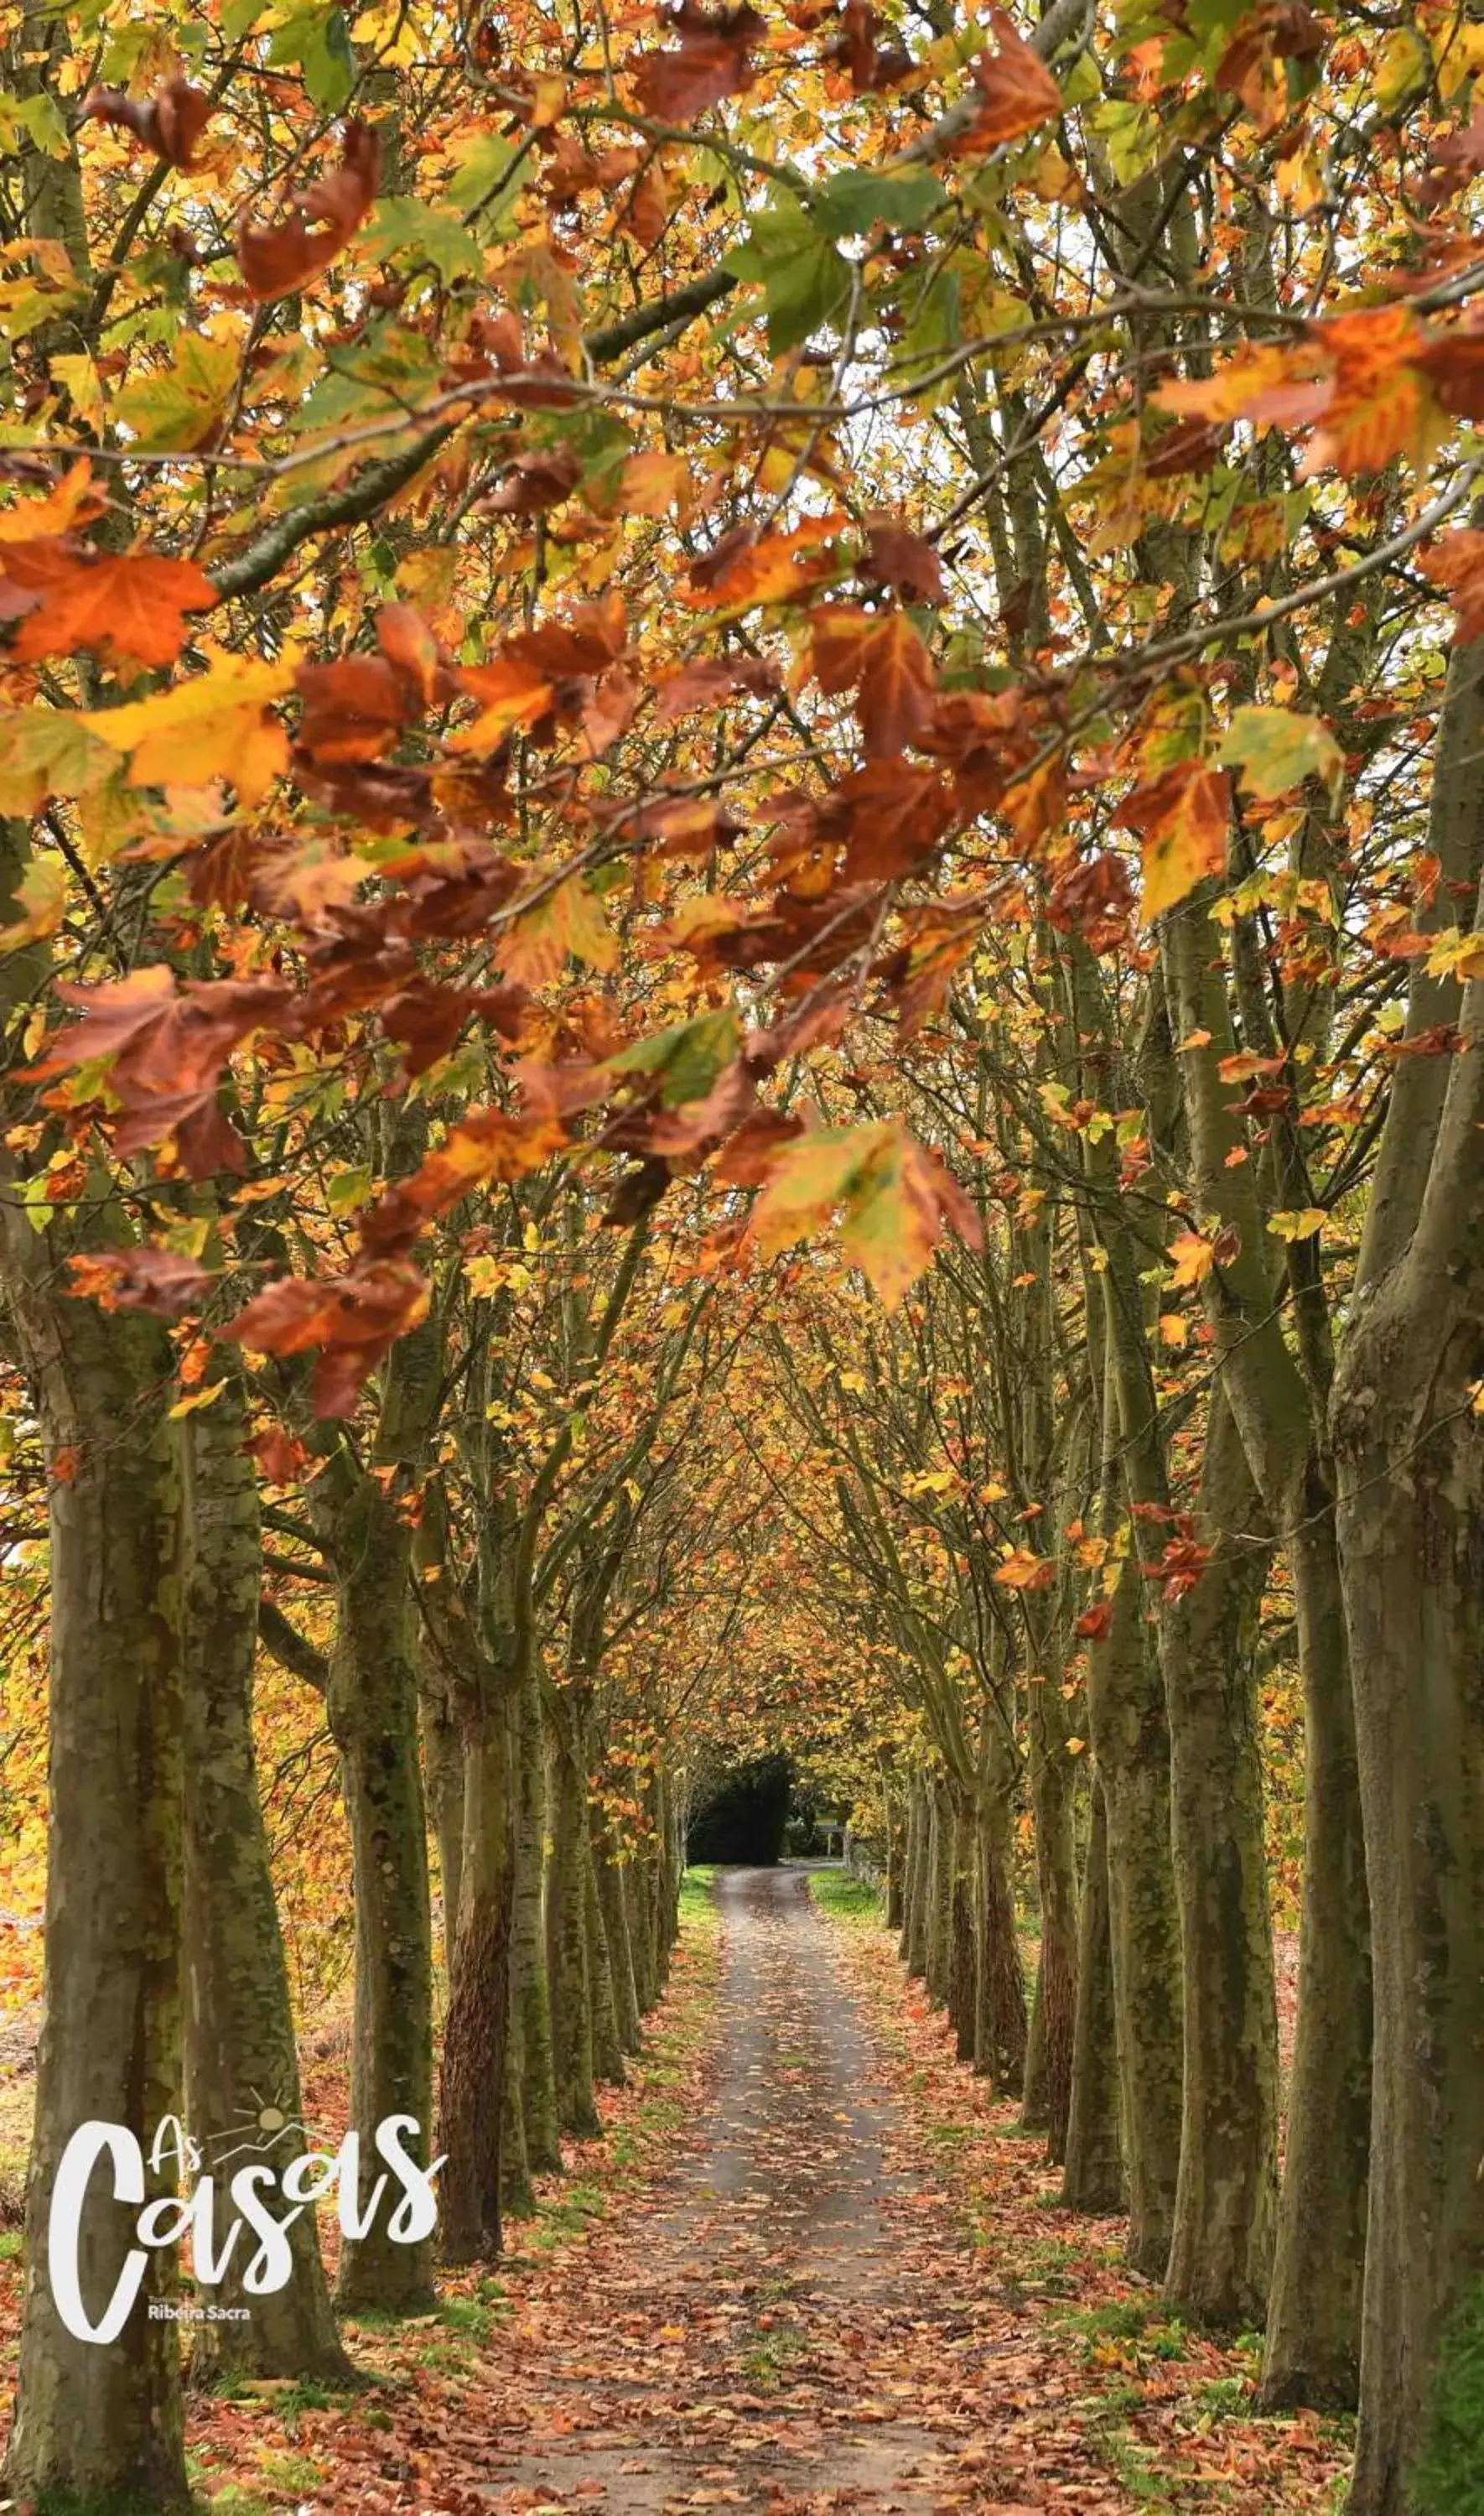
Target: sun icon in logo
<point>258,2127</point>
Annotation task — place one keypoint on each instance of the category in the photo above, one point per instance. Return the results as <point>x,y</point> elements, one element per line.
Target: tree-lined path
<point>797,2325</point>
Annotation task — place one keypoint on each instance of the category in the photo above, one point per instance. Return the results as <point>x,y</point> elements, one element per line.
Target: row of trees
<point>721,624</point>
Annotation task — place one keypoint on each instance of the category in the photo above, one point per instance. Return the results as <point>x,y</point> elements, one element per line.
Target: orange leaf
<point>1018,89</point>
<point>1182,818</point>
<point>131,603</point>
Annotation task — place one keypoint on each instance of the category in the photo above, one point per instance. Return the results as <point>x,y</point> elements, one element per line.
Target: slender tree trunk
<point>101,2424</point>
<point>1094,2180</point>
<point>939,1884</point>
<point>1222,2245</point>
<point>963,1965</point>
<point>1053,1786</point>
<point>607,2044</point>
<point>1130,1739</point>
<point>914,1942</point>
<point>999,2024</point>
<point>1410,1461</point>
<point>444,1771</point>
<point>473,2083</point>
<point>612,1896</point>
<point>529,1969</point>
<point>242,2098</point>
<point>1314,2312</point>
<point>566,1922</point>
<point>372,1703</point>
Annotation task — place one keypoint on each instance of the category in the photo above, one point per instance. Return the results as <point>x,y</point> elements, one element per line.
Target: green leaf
<point>689,1056</point>
<point>1276,748</point>
<point>179,407</point>
<point>806,282</point>
<point>483,176</point>
<point>424,235</point>
<point>854,201</point>
<point>319,42</point>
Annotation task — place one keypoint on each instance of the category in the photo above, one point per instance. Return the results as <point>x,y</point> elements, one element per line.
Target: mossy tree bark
<point>242,2094</point>
<point>1093,2176</point>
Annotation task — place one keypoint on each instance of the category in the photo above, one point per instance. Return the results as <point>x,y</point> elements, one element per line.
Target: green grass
<point>840,1892</point>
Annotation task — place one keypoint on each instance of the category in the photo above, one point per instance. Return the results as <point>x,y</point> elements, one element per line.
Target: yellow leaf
<point>216,725</point>
<point>198,1398</point>
<point>1299,1223</point>
<point>1193,1258</point>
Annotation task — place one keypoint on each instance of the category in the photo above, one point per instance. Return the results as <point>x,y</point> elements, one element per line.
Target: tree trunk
<point>101,2424</point>
<point>566,1922</point>
<point>1221,2244</point>
<point>1052,1786</point>
<point>939,1895</point>
<point>963,1954</point>
<point>1314,2312</point>
<point>531,1989</point>
<point>444,1771</point>
<point>242,2097</point>
<point>475,2069</point>
<point>1094,2180</point>
<point>1000,2022</point>
<point>607,2043</point>
<point>372,1703</point>
<point>1131,1740</point>
<point>1409,1455</point>
<point>612,1896</point>
<point>913,1940</point>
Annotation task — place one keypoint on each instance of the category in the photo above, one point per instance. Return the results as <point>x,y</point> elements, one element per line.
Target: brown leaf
<point>710,62</point>
<point>159,1281</point>
<point>1457,561</point>
<point>902,560</point>
<point>170,121</point>
<point>353,709</point>
<point>318,224</point>
<point>536,480</point>
<point>353,1319</point>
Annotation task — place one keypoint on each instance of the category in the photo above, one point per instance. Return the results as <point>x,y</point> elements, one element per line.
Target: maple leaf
<point>214,725</point>
<point>147,1279</point>
<point>354,1320</point>
<point>1185,820</point>
<point>1018,91</point>
<point>704,684</point>
<point>318,223</point>
<point>1094,1621</point>
<point>1194,1258</point>
<point>169,122</point>
<point>72,502</point>
<point>884,659</point>
<point>1276,748</point>
<point>710,62</point>
<point>900,558</point>
<point>1022,1570</point>
<point>743,571</point>
<point>353,709</point>
<point>896,1201</point>
<point>131,603</point>
<point>484,1144</point>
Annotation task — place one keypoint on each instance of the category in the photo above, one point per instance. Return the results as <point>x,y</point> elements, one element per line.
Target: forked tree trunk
<point>242,2097</point>
<point>1094,2180</point>
<point>101,2425</point>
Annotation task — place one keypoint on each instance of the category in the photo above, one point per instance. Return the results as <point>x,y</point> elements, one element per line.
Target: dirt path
<point>797,2326</point>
